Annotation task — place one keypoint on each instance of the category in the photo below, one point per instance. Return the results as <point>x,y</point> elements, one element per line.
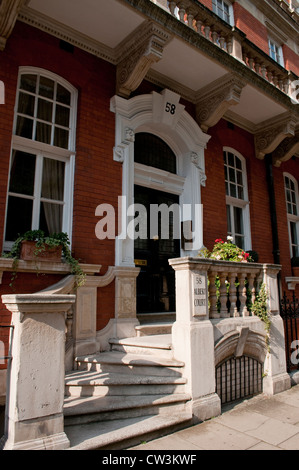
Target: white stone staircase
<point>124,396</point>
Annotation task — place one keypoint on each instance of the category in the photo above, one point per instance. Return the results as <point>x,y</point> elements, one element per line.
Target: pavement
<point>260,423</point>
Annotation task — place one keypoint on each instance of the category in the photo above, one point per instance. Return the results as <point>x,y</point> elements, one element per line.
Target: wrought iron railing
<point>289,311</point>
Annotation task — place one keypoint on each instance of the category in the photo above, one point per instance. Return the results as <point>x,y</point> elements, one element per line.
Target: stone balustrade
<point>231,40</point>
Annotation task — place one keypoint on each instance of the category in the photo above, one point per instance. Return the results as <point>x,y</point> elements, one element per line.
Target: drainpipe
<point>273,214</point>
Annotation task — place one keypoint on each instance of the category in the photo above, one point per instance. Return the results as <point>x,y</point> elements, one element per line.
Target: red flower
<point>219,240</point>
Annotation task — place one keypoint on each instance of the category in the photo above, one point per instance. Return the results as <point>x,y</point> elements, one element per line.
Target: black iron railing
<point>289,311</point>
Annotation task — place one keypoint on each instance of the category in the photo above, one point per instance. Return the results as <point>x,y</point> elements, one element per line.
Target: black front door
<point>156,281</point>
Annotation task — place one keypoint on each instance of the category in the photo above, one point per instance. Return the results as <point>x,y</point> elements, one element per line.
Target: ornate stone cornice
<point>213,103</point>
<point>138,53</point>
<point>286,150</point>
<point>273,133</point>
<point>9,10</point>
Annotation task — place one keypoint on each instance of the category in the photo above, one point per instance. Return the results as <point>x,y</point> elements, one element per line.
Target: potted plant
<point>34,245</point>
<point>295,266</point>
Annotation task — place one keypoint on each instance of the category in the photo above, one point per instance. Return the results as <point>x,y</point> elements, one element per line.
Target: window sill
<point>44,267</point>
<point>292,282</point>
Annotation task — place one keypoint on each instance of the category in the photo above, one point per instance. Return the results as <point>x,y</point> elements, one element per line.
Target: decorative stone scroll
<point>214,102</point>
<point>9,10</point>
<point>137,56</point>
<point>286,150</point>
<point>272,134</point>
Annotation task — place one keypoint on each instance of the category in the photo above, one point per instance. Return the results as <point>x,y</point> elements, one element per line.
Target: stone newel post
<point>193,336</point>
<point>34,418</point>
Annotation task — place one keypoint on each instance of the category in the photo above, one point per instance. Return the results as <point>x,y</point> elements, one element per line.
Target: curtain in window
<point>53,190</point>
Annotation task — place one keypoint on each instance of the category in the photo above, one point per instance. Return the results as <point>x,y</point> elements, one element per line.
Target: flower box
<point>30,252</point>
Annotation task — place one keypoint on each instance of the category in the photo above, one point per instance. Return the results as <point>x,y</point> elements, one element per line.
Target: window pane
<point>62,116</point>
<point>22,173</point>
<point>19,217</point>
<point>233,190</point>
<point>24,127</point>
<point>28,83</point>
<point>43,133</point>
<point>45,110</point>
<point>229,220</point>
<point>51,218</point>
<point>61,138</point>
<point>26,104</point>
<point>231,160</point>
<point>63,96</point>
<point>238,219</point>
<point>46,87</point>
<point>240,242</point>
<point>53,179</point>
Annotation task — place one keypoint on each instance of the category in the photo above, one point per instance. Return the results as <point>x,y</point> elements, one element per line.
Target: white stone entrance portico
<point>164,116</point>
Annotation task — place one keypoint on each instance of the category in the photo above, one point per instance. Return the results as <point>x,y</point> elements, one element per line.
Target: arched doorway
<point>156,281</point>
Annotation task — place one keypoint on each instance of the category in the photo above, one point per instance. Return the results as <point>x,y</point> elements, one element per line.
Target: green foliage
<point>44,242</point>
<point>260,310</point>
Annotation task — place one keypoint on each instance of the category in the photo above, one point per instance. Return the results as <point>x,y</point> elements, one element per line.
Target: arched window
<point>238,217</point>
<point>292,202</point>
<point>150,150</point>
<point>40,187</point>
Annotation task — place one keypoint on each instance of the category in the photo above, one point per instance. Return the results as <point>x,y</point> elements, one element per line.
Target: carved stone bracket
<point>9,10</point>
<point>286,150</point>
<point>271,135</point>
<point>213,103</point>
<point>137,54</point>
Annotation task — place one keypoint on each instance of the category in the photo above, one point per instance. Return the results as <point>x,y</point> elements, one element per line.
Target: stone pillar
<point>125,301</point>
<point>36,390</point>
<point>193,336</point>
<point>276,378</point>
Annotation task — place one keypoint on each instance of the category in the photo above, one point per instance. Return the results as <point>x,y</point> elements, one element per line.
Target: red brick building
<point>208,88</point>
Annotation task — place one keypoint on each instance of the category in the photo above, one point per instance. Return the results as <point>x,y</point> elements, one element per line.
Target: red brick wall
<point>213,196</point>
<point>97,176</point>
<point>254,30</point>
<point>291,59</point>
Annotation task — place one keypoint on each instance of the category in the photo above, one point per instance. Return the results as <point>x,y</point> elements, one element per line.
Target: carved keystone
<point>215,101</point>
<point>138,54</point>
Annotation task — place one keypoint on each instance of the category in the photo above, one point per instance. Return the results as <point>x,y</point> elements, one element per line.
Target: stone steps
<point>86,384</point>
<point>158,345</point>
<point>138,381</point>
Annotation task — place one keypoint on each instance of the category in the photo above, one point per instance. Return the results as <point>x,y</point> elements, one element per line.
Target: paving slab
<point>261,423</point>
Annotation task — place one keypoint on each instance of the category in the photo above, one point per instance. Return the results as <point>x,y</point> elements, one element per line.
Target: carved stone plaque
<point>199,294</point>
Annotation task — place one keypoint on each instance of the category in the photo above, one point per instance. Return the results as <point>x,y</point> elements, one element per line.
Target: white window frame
<point>243,204</point>
<point>278,52</point>
<point>42,150</point>
<point>230,8</point>
<point>291,217</point>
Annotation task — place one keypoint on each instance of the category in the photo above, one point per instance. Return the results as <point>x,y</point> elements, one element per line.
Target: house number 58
<point>170,108</point>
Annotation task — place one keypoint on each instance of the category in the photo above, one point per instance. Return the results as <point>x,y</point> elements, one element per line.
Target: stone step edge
<point>127,359</point>
<point>124,430</point>
<point>75,406</point>
<point>84,378</point>
<point>155,342</point>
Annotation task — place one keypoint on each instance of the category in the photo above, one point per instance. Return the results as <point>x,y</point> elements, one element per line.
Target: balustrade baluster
<point>233,295</point>
<point>172,7</point>
<point>213,296</point>
<point>207,30</point>
<point>199,24</point>
<point>243,295</point>
<point>223,295</point>
<point>251,287</point>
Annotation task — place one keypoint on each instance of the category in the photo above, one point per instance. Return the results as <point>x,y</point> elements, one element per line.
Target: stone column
<point>125,301</point>
<point>193,336</point>
<point>276,378</point>
<point>36,390</point>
